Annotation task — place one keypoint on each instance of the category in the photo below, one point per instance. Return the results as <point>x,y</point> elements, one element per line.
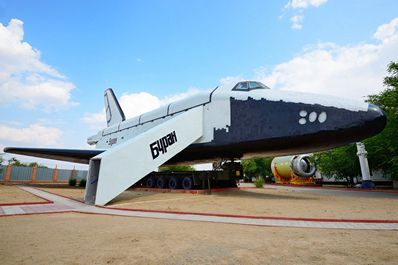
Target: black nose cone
<point>375,118</point>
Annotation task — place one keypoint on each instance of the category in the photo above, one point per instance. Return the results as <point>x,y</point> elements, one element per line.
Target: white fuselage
<point>217,112</point>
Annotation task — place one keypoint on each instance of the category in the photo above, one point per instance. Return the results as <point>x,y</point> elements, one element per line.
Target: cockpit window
<point>242,86</point>
<point>250,85</point>
<point>256,85</point>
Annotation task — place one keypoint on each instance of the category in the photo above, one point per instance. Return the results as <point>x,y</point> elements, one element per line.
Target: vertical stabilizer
<point>114,113</point>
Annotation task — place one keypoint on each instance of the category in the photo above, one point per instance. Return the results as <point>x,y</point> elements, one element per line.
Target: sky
<point>57,57</point>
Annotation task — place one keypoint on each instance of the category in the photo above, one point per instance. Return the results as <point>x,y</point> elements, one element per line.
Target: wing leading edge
<point>82,156</point>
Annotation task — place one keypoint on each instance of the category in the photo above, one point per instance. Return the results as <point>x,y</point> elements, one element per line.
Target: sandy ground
<point>74,193</point>
<point>257,202</point>
<point>13,194</point>
<point>96,239</point>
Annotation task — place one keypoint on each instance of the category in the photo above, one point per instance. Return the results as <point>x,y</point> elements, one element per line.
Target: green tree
<point>1,163</point>
<point>264,166</point>
<point>35,164</point>
<point>176,168</point>
<point>257,167</point>
<point>383,148</point>
<point>340,163</point>
<point>249,168</point>
<point>15,162</point>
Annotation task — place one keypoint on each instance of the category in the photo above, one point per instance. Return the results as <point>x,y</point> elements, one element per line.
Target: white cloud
<point>96,120</point>
<point>297,21</point>
<point>302,4</point>
<point>298,7</point>
<point>387,32</point>
<point>34,134</point>
<point>346,71</point>
<point>134,104</point>
<point>231,80</point>
<point>24,79</point>
<point>172,98</point>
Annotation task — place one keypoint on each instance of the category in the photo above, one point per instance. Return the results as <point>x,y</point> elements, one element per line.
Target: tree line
<point>15,162</point>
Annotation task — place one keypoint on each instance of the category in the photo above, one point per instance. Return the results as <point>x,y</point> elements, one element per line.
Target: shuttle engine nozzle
<point>302,167</point>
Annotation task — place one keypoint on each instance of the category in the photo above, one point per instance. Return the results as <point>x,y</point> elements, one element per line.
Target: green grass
<point>259,182</point>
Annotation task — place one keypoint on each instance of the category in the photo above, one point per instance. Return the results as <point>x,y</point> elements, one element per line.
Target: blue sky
<point>149,51</point>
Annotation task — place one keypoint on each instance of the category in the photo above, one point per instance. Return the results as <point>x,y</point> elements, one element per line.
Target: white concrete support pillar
<point>367,183</point>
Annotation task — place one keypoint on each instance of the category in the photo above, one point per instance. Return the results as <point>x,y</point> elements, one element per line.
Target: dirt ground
<point>256,202</point>
<point>96,239</point>
<point>13,194</point>
<point>74,193</point>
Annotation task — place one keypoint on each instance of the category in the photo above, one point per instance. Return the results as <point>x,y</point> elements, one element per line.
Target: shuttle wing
<point>70,155</point>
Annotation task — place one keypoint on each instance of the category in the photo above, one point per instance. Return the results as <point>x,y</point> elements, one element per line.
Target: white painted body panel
<point>154,114</point>
<point>130,123</point>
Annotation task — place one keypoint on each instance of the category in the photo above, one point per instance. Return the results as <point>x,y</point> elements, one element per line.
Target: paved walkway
<point>61,204</point>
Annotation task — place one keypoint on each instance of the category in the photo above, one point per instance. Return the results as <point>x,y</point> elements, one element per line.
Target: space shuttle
<point>233,121</point>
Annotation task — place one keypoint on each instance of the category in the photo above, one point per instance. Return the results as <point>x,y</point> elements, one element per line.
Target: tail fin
<point>114,113</point>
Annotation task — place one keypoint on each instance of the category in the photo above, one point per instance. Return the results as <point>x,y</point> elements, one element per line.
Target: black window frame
<point>236,89</point>
<point>248,86</point>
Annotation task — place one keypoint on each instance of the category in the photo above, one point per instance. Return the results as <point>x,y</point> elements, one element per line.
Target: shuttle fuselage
<point>239,123</point>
